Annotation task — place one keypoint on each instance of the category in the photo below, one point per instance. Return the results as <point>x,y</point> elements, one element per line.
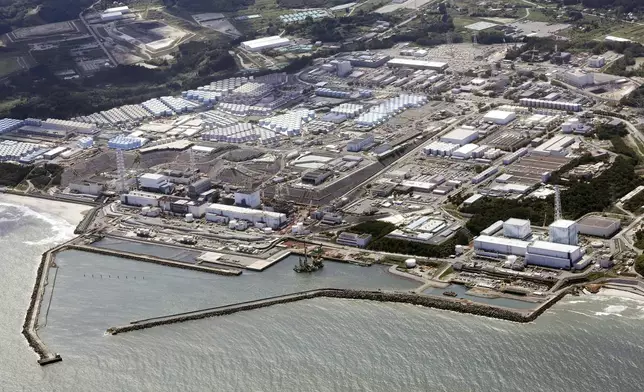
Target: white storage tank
<point>410,263</point>
<point>190,218</point>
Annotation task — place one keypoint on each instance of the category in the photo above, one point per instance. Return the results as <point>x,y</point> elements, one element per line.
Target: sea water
<point>588,343</point>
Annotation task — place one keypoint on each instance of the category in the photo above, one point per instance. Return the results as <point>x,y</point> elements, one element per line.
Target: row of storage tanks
<point>202,96</point>
<point>241,133</point>
<point>350,110</point>
<point>542,103</point>
<point>122,142</point>
<point>179,105</point>
<point>389,108</point>
<point>243,110</point>
<point>9,124</point>
<point>327,92</point>
<point>289,123</point>
<point>11,150</point>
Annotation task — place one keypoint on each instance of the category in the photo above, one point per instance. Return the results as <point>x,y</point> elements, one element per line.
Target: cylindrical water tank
<point>410,263</point>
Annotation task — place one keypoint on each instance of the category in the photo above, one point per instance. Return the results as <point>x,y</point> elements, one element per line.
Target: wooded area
<point>578,199</point>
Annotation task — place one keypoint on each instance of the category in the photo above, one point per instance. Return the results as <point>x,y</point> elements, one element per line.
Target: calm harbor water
<point>590,343</point>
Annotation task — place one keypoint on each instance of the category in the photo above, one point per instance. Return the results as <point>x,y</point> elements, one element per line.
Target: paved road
<point>96,37</point>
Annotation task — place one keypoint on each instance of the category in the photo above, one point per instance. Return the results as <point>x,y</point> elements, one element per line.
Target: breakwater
<point>156,260</point>
<point>457,305</point>
<point>30,326</point>
<point>82,227</point>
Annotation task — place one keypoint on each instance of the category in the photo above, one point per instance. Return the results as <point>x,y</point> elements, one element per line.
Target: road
<point>96,37</point>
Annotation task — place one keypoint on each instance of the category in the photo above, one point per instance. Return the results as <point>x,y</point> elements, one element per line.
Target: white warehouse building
<point>248,198</point>
<point>460,136</point>
<point>271,219</point>
<point>499,117</point>
<point>257,45</point>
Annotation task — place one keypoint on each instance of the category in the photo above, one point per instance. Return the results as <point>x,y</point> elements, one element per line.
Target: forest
<point>380,242</point>
<point>197,63</point>
<point>580,198</point>
<point>21,13</point>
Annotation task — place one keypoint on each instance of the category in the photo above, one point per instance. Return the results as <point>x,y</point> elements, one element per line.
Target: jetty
<point>156,260</point>
<point>431,301</point>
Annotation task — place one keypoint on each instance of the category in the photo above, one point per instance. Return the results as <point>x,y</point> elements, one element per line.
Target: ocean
<point>586,343</point>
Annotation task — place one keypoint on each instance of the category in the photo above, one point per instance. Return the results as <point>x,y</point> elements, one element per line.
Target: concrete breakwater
<point>456,305</point>
<point>156,260</point>
<point>30,325</point>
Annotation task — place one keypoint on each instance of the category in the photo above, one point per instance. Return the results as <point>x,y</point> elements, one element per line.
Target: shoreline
<point>69,212</point>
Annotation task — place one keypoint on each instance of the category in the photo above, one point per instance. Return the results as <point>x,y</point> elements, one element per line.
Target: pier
<point>430,301</point>
<point>156,260</point>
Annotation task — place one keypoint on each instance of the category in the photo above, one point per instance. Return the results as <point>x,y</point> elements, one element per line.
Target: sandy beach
<point>69,212</point>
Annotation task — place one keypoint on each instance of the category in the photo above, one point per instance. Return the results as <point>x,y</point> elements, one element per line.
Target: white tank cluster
<point>202,96</point>
<point>9,124</point>
<point>244,110</point>
<point>179,105</point>
<point>241,133</point>
<point>11,150</point>
<point>441,149</point>
<point>224,86</point>
<point>215,119</point>
<point>389,108</point>
<point>348,109</point>
<point>290,123</point>
<point>122,142</point>
<point>85,142</point>
<point>157,108</point>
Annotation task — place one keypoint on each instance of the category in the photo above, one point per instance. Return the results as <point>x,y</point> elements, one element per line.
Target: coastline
<point>53,212</point>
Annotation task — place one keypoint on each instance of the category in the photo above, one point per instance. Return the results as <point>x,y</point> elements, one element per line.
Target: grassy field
<point>8,66</point>
<point>630,31</point>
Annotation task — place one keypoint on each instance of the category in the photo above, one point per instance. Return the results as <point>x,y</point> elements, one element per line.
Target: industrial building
<point>417,64</point>
<point>198,187</point>
<point>460,136</point>
<point>354,239</point>
<point>87,188</point>
<point>271,219</point>
<point>598,226</point>
<point>557,105</point>
<point>155,183</point>
<point>360,144</point>
<point>247,198</point>
<point>141,199</point>
<point>517,228</point>
<point>596,61</point>
<point>564,232</point>
<point>553,255</point>
<point>316,177</point>
<point>257,45</point>
<point>578,78</point>
<point>494,246</point>
<point>499,117</point>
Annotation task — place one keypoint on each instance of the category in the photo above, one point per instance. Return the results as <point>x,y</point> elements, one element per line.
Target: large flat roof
<point>554,246</point>
<point>598,221</point>
<point>503,241</point>
<point>417,63</point>
<point>264,41</point>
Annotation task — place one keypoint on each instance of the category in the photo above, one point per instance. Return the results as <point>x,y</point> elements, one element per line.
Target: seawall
<point>156,260</point>
<point>456,305</point>
<point>30,326</point>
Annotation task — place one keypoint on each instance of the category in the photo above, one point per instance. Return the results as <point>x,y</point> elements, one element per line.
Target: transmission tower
<point>558,214</point>
<point>120,170</point>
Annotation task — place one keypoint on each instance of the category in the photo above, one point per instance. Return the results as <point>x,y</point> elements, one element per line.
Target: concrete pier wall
<point>156,260</point>
<point>414,299</point>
